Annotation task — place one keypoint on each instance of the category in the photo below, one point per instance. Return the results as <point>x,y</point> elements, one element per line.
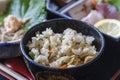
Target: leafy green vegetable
<point>1,19</point>
<point>116,3</point>
<point>32,9</point>
<point>31,55</point>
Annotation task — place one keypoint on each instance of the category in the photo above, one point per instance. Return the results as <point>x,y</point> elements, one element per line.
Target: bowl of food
<point>61,46</point>
<point>16,17</point>
<point>103,14</point>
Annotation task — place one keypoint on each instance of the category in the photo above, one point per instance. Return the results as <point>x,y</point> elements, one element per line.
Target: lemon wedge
<point>109,26</point>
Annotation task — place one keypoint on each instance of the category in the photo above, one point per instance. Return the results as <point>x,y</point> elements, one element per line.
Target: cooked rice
<point>68,49</point>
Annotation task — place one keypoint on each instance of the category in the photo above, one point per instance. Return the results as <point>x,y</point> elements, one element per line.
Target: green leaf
<point>1,19</point>
<point>116,3</point>
<point>19,7</point>
<point>36,12</point>
<point>32,9</point>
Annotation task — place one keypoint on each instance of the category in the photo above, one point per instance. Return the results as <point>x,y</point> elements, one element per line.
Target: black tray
<point>108,67</point>
<point>108,64</point>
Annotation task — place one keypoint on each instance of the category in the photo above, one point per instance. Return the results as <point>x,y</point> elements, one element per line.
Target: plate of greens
<point>16,17</point>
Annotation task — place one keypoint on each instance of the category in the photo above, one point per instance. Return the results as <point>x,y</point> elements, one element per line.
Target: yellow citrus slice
<point>109,26</point>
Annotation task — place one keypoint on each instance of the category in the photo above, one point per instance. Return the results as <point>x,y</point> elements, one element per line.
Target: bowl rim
<point>52,68</point>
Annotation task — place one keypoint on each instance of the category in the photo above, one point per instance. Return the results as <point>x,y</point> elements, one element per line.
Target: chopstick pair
<point>10,74</point>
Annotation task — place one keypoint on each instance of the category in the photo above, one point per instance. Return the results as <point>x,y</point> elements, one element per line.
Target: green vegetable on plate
<point>34,10</point>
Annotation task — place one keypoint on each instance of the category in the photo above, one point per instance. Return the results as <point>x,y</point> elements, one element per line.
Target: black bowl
<point>58,26</point>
